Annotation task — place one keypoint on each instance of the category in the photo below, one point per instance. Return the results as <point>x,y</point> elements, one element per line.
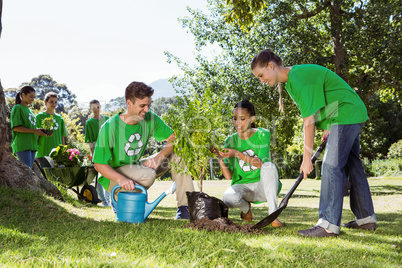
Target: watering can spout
<point>149,207</point>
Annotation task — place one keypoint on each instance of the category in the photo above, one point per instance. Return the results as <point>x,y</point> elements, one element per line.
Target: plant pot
<point>201,205</point>
<point>47,131</point>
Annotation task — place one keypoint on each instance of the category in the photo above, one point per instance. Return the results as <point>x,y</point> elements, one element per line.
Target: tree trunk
<point>336,31</point>
<point>14,173</point>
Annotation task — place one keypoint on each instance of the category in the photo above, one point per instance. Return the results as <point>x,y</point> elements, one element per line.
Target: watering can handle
<point>137,186</point>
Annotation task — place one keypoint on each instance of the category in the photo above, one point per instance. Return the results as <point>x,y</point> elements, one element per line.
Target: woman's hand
<point>39,132</point>
<point>228,153</point>
<point>326,133</point>
<point>306,167</point>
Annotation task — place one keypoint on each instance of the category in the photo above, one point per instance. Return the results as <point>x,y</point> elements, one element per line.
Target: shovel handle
<point>299,179</point>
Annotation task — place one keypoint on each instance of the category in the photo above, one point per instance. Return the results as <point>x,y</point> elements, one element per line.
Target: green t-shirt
<point>23,116</point>
<point>46,144</point>
<point>121,144</point>
<point>92,127</point>
<point>319,91</point>
<point>257,145</point>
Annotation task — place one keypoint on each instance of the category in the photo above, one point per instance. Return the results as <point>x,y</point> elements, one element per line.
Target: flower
<point>48,123</point>
<point>64,155</point>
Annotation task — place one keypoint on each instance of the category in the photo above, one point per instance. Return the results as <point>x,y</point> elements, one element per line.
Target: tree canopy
<point>44,84</point>
<point>359,40</point>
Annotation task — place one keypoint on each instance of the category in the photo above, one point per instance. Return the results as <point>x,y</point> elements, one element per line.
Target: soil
<point>223,225</point>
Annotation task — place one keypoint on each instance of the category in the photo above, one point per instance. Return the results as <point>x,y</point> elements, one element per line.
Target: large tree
<point>359,40</point>
<point>44,84</point>
<point>14,173</point>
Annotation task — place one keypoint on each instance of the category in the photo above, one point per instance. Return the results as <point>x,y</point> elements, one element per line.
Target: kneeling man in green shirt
<point>122,141</point>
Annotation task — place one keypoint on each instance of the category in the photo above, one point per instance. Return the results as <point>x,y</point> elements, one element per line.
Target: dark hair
<point>138,90</point>
<point>264,57</point>
<point>25,90</point>
<point>93,102</point>
<point>245,104</point>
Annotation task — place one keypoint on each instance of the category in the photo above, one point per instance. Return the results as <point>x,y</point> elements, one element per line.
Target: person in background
<point>121,144</point>
<point>247,163</point>
<point>92,127</point>
<point>325,100</point>
<point>23,124</point>
<point>59,132</point>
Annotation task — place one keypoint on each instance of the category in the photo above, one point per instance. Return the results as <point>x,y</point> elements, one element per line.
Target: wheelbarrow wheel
<point>89,194</point>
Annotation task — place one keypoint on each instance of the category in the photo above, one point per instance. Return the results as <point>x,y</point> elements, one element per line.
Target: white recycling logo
<point>32,119</point>
<point>245,166</point>
<point>127,148</point>
<point>55,125</point>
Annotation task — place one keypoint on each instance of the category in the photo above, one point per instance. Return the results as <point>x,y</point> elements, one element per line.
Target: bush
<point>395,150</point>
<point>387,167</point>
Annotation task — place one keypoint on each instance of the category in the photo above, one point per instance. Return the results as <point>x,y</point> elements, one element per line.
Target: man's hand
<point>154,162</point>
<point>127,184</point>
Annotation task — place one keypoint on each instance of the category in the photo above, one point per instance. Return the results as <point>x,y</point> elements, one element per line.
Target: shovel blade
<point>268,219</point>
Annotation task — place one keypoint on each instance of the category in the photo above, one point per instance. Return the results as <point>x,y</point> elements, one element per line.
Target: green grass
<point>37,231</point>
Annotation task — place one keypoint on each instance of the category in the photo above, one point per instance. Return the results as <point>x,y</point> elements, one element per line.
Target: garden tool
<point>133,207</point>
<point>271,217</point>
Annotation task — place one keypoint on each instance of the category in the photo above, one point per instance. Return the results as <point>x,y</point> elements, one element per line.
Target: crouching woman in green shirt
<point>23,125</point>
<point>247,163</point>
<point>325,100</point>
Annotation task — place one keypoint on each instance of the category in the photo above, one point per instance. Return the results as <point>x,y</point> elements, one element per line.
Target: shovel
<point>271,217</point>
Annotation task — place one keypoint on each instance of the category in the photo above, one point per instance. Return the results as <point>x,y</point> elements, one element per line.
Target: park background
<point>359,40</point>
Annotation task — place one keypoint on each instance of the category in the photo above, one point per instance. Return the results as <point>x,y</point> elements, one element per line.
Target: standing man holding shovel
<point>325,100</point>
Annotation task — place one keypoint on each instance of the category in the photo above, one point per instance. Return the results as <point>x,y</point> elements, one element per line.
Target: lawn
<point>37,231</point>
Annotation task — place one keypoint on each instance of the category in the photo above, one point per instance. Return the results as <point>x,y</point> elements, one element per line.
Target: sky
<point>95,47</point>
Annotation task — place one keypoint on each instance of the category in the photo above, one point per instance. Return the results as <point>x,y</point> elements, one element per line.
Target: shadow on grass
<point>36,231</point>
<point>386,190</point>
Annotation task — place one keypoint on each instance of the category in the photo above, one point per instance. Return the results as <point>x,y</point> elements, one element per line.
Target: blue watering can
<point>133,207</point>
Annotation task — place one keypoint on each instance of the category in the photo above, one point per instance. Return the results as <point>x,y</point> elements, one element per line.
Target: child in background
<point>247,163</point>
<point>325,100</point>
<point>92,127</point>
<point>23,125</point>
<point>46,144</point>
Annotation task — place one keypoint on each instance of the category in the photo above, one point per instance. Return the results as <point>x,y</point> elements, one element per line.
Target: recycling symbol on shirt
<point>245,166</point>
<point>32,119</point>
<point>55,125</point>
<point>127,147</point>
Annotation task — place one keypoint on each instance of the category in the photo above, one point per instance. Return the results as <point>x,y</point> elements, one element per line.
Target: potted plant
<point>200,122</point>
<point>71,169</point>
<point>47,125</point>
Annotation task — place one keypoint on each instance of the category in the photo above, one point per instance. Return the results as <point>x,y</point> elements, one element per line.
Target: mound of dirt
<point>223,225</point>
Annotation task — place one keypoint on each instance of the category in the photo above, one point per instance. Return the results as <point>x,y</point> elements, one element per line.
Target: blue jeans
<point>103,194</point>
<point>26,157</point>
<point>341,162</point>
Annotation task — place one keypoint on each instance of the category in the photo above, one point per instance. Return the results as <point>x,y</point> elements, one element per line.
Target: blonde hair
<point>280,102</point>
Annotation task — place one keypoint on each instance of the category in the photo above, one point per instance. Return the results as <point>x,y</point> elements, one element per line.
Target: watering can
<point>133,207</point>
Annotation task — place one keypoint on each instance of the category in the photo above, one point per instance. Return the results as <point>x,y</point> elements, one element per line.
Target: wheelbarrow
<point>73,177</point>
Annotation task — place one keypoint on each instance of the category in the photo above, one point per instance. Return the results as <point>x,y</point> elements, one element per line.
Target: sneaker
<point>368,226</point>
<point>105,204</point>
<point>316,231</point>
<point>182,213</point>
<point>248,217</point>
<point>276,223</point>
